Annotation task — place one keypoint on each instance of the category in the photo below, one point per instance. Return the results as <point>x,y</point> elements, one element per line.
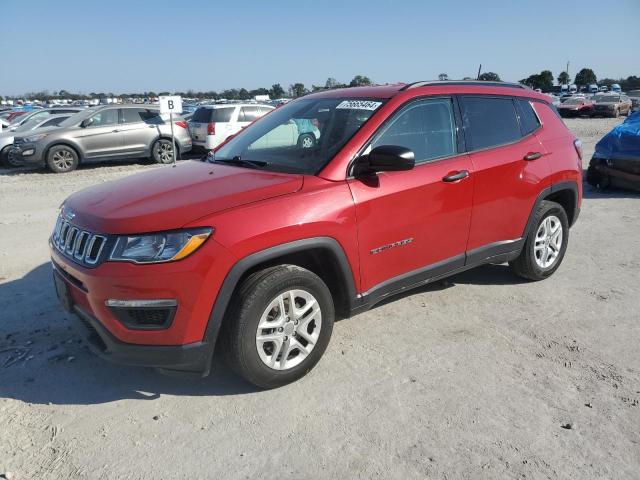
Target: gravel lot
<point>482,376</point>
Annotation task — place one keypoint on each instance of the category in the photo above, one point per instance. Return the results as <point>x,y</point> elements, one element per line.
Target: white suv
<point>211,125</point>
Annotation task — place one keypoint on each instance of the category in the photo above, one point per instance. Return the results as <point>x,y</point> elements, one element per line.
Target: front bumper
<point>185,345</point>
<point>26,154</point>
<point>186,360</point>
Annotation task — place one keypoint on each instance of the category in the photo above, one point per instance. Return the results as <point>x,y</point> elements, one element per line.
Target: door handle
<point>454,177</point>
<point>532,156</point>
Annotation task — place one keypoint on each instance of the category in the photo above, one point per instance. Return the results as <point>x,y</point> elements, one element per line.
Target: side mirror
<point>86,122</point>
<point>385,158</point>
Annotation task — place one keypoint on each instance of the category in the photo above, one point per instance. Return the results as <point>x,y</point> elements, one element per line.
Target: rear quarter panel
<point>563,159</point>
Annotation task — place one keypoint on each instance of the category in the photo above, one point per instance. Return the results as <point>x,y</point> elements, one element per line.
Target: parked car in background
<point>593,88</point>
<point>615,88</point>
<point>7,136</point>
<point>3,124</point>
<point>575,107</point>
<point>43,113</point>
<point>258,253</point>
<point>634,95</point>
<point>611,105</point>
<point>99,133</point>
<point>603,88</point>
<point>211,125</point>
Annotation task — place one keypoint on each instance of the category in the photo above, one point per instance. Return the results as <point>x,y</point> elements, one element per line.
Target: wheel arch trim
<point>569,185</point>
<point>233,277</point>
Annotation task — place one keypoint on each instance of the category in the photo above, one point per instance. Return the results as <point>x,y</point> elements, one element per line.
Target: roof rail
<point>481,83</point>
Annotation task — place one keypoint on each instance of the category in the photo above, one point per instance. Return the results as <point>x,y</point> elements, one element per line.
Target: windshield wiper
<point>240,161</point>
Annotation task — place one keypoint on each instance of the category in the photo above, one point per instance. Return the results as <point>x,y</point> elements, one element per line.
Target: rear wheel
<point>279,326</point>
<point>546,243</point>
<point>162,151</point>
<point>307,140</point>
<point>62,159</point>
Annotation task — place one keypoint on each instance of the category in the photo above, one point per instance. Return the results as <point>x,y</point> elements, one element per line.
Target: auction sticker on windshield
<point>359,105</point>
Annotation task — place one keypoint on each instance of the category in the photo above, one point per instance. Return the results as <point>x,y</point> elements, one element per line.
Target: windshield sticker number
<point>358,105</point>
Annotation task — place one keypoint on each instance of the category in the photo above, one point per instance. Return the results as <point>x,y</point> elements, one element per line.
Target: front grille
<point>79,245</point>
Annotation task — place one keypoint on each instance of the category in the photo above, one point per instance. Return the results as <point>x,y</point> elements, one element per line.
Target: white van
<point>615,88</point>
<point>211,125</point>
<point>573,88</point>
<point>593,88</point>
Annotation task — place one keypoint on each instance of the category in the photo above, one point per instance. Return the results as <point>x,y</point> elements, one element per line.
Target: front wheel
<point>279,325</point>
<point>62,159</point>
<point>546,243</point>
<point>5,158</point>
<point>162,151</point>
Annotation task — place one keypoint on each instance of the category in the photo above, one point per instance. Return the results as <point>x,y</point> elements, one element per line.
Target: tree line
<point>585,77</point>
<point>276,91</point>
<point>543,80</point>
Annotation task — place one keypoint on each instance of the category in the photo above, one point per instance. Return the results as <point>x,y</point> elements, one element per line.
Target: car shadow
<point>44,358</point>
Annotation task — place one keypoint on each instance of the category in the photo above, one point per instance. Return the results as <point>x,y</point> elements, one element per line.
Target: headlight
<point>34,138</point>
<point>159,247</point>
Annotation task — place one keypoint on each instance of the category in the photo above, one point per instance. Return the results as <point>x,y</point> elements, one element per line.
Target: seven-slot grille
<point>80,245</point>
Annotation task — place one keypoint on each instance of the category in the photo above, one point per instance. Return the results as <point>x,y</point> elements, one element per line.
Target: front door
<point>102,138</point>
<point>414,224</point>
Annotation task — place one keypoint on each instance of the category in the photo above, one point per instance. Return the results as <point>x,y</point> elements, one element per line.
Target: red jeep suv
<point>261,247</point>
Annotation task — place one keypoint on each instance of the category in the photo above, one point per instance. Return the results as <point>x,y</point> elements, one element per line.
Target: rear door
<point>139,127</point>
<point>102,138</point>
<point>510,168</point>
<point>415,223</point>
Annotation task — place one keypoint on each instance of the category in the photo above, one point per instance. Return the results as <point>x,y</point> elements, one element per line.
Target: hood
<point>35,131</point>
<point>168,198</point>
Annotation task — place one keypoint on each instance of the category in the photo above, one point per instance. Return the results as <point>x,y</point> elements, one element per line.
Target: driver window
<point>105,117</point>
<point>426,127</point>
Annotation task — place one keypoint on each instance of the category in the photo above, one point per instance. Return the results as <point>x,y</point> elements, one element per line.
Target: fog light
<point>26,153</point>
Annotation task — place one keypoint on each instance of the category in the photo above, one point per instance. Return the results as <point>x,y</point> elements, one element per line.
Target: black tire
<point>162,151</point>
<point>307,140</point>
<point>526,265</point>
<point>4,158</point>
<point>62,159</point>
<point>241,324</point>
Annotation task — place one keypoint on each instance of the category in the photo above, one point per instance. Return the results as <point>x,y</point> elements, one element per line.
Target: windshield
<point>574,101</point>
<point>299,137</point>
<point>30,124</point>
<point>606,98</point>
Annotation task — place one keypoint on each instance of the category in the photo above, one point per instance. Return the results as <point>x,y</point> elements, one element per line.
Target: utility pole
<point>479,68</point>
<point>568,70</point>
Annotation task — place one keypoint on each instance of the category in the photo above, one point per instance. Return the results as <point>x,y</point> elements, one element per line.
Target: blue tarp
<point>623,142</point>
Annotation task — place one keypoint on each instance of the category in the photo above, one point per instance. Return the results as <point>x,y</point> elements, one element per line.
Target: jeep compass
<point>258,250</point>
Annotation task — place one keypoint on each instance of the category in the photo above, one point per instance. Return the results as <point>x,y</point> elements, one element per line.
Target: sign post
<point>171,104</point>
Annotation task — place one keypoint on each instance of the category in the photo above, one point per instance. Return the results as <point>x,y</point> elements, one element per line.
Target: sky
<point>124,46</point>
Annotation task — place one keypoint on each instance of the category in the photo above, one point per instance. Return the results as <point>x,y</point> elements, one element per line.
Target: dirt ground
<point>482,376</point>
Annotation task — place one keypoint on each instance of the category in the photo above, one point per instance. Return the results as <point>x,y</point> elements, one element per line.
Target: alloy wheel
<point>63,159</point>
<point>288,329</point>
<point>548,241</point>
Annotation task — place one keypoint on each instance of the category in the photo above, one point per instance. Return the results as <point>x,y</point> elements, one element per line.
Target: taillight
<point>211,128</point>
<point>577,143</point>
<point>182,124</point>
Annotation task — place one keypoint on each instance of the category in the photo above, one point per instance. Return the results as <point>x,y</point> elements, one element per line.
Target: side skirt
<point>499,252</point>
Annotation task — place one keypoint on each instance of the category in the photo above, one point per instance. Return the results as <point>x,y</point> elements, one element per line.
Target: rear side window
<point>426,127</point>
<point>136,115</point>
<point>528,119</point>
<point>248,114</point>
<point>489,121</point>
<point>213,115</point>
